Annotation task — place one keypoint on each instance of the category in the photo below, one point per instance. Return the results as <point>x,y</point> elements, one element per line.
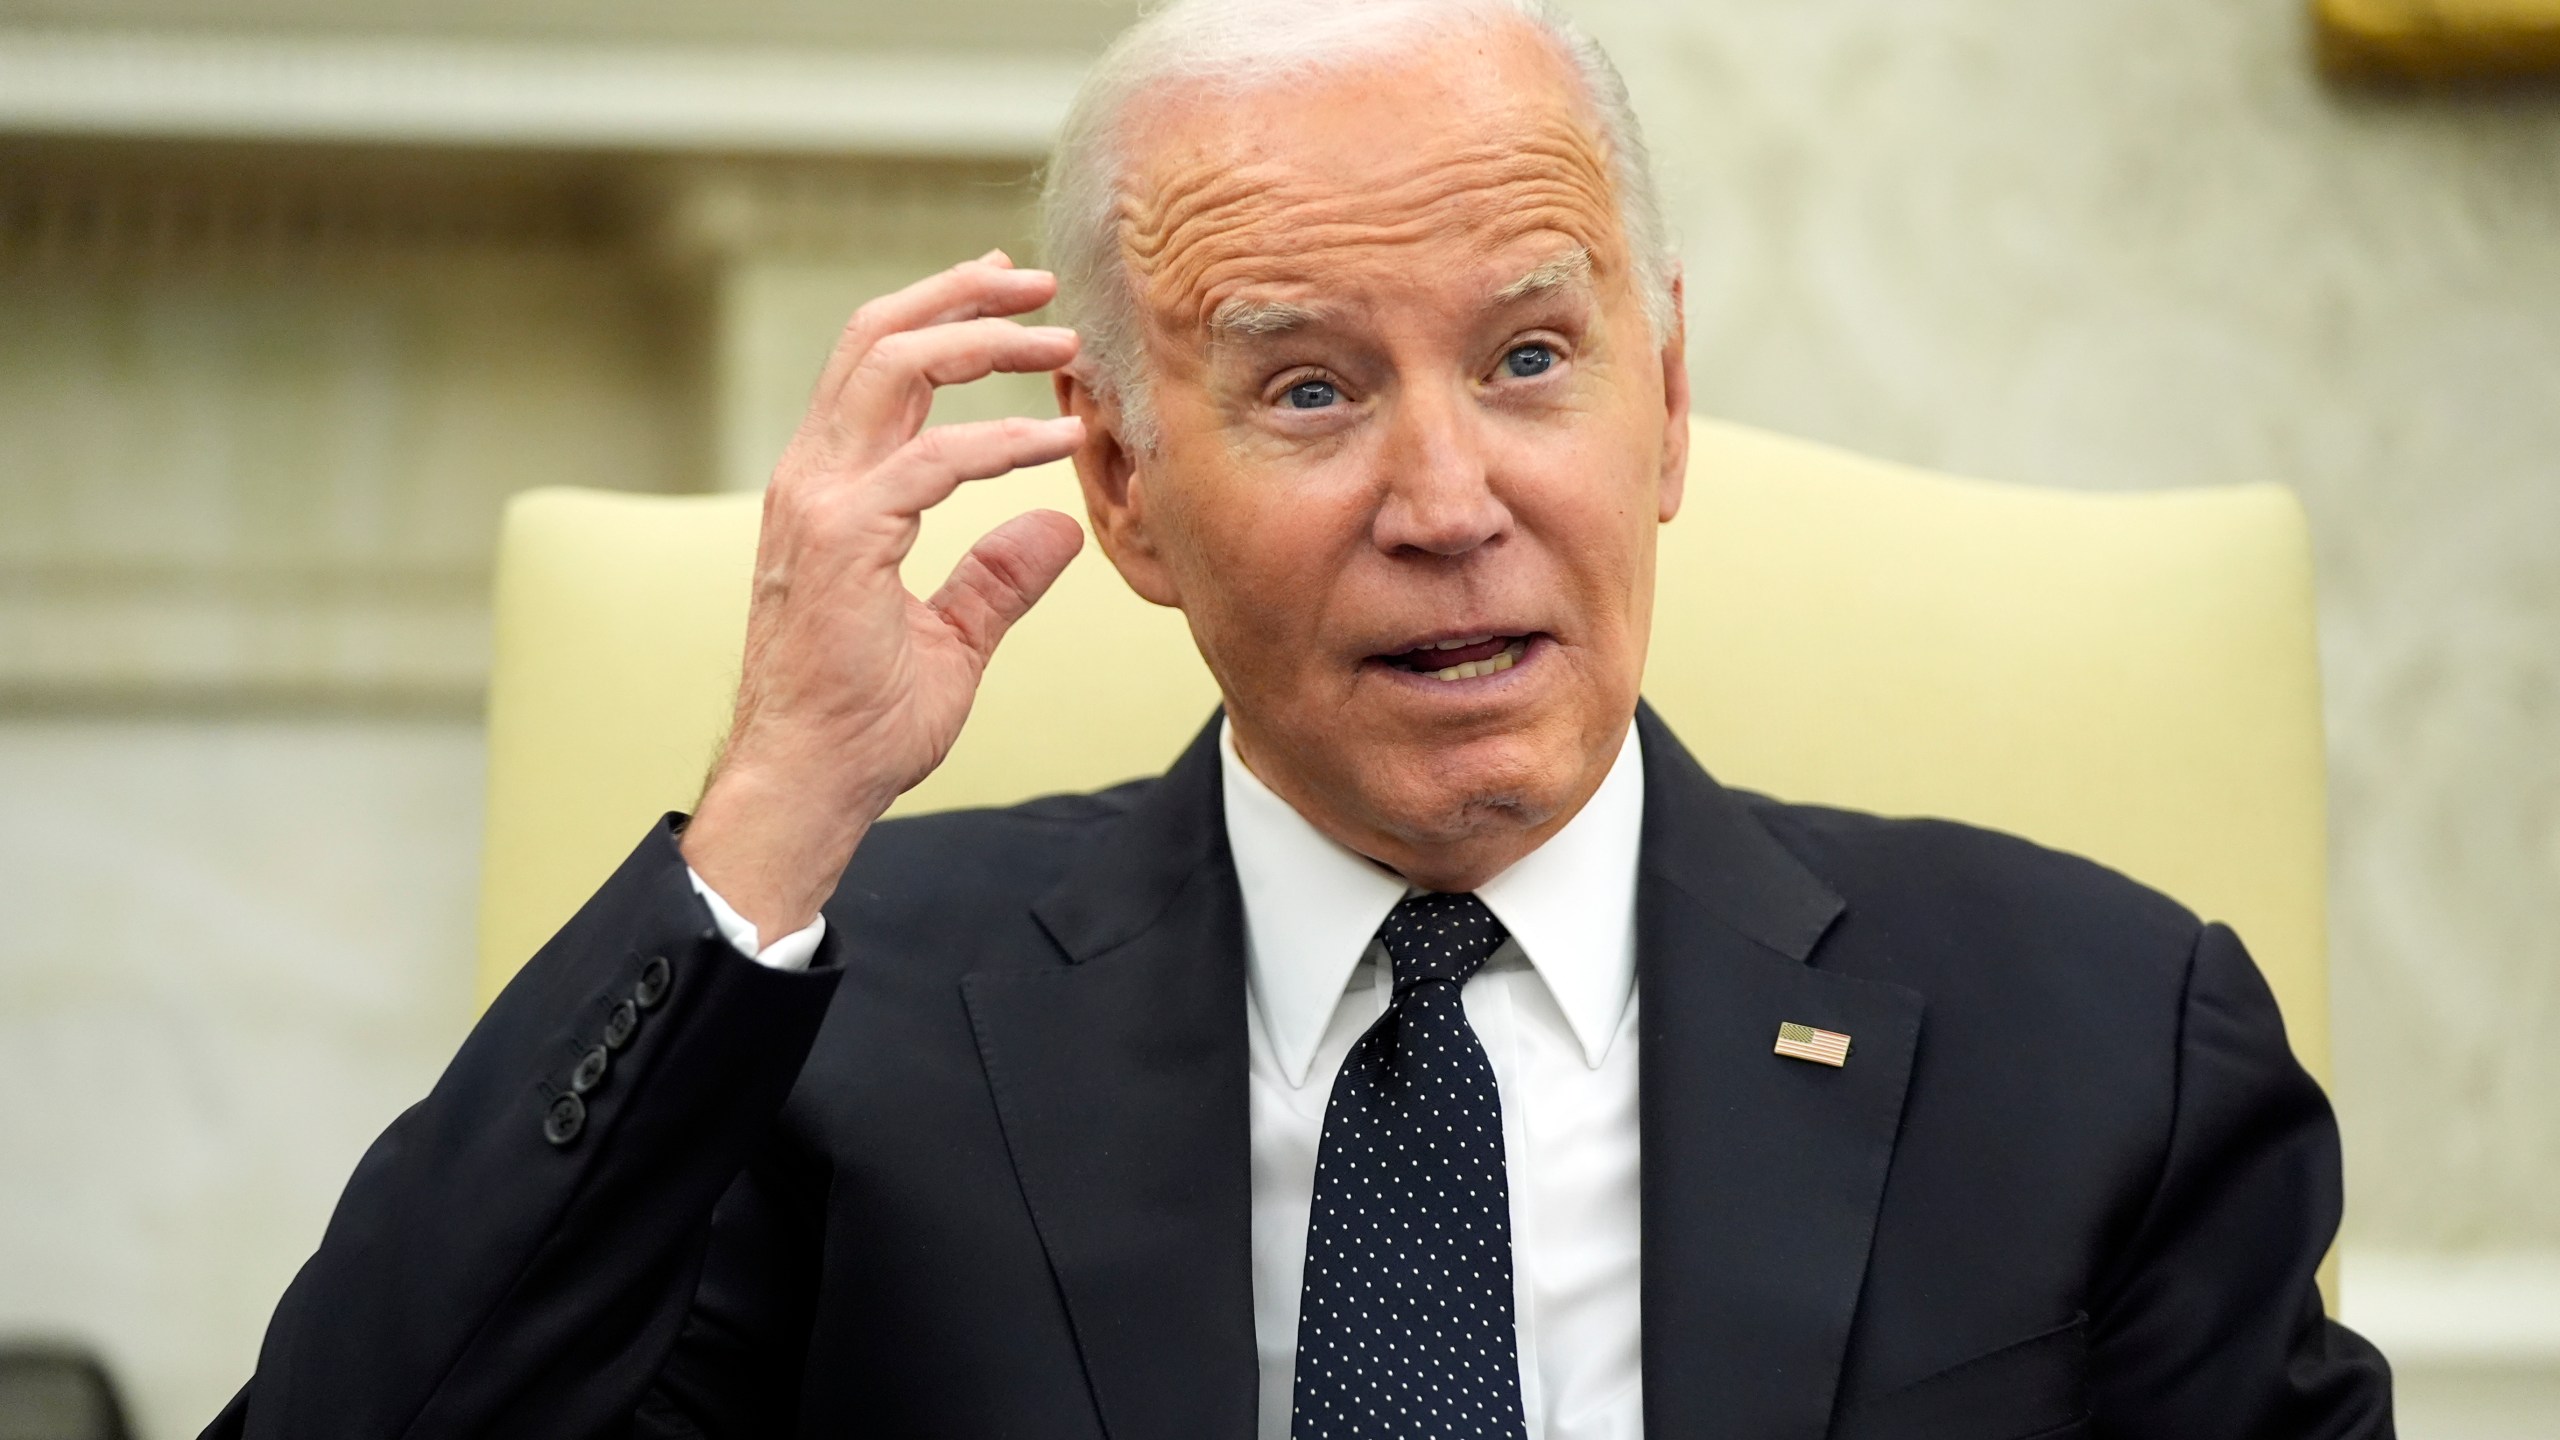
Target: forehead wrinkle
<point>1224,191</point>
<point>1191,292</point>
<point>1215,215</point>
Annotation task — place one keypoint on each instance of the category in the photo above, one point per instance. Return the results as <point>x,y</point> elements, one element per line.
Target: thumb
<point>1004,575</point>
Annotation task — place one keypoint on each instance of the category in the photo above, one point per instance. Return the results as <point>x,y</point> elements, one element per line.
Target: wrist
<point>774,846</point>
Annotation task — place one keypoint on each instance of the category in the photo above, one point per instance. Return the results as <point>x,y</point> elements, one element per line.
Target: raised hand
<point>853,689</point>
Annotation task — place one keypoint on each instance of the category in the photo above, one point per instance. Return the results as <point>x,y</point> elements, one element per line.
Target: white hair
<point>1236,46</point>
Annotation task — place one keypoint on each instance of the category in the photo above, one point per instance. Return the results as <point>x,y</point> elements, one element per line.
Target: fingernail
<point>1054,332</point>
<point>996,257</point>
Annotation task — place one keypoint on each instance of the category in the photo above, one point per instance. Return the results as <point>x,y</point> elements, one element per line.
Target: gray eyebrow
<point>1245,318</point>
<point>1570,268</point>
<point>1241,318</point>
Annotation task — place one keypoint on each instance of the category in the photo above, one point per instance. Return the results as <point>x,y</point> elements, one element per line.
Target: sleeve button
<point>621,1025</point>
<point>655,979</point>
<point>590,1071</point>
<point>566,1117</point>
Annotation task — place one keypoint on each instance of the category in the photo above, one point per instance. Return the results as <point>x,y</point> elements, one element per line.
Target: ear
<point>1675,404</point>
<point>1115,495</point>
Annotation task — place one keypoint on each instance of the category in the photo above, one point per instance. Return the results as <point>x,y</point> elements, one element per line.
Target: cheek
<point>1259,556</point>
<point>1594,512</point>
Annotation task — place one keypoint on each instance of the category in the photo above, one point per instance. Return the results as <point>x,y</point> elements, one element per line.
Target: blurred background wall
<point>294,292</point>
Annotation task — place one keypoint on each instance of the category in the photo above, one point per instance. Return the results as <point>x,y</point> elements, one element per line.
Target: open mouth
<point>1462,659</point>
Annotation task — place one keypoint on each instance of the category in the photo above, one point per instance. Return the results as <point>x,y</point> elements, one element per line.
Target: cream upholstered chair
<point>2126,676</point>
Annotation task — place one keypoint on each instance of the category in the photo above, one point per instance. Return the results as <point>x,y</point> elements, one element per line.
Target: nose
<point>1439,496</point>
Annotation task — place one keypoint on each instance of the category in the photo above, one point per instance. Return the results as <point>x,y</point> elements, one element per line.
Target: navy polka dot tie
<point>1404,1322</point>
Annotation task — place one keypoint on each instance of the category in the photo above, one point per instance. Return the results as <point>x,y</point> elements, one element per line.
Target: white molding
<point>403,90</point>
<point>2490,1310</point>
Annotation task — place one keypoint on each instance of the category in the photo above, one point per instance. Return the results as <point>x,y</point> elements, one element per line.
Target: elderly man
<point>1435,1050</point>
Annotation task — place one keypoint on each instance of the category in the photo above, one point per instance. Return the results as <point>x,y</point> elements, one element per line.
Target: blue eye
<point>1527,360</point>
<point>1312,395</point>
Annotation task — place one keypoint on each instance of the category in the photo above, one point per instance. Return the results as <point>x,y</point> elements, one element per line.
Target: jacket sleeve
<point>518,1253</point>
<point>2212,1325</point>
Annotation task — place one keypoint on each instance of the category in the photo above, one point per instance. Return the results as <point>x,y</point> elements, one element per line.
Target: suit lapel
<point>1119,1079</point>
<point>1762,1174</point>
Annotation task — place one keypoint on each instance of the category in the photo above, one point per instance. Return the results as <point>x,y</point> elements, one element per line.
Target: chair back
<point>2128,676</point>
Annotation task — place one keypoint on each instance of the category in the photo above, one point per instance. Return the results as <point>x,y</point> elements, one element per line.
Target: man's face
<point>1415,437</point>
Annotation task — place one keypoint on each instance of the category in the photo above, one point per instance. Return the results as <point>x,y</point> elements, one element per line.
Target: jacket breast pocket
<point>2034,1389</point>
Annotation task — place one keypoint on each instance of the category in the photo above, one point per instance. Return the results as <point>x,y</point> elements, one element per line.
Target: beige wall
<point>2114,243</point>
<point>1042,26</point>
<point>236,948</point>
<point>261,413</point>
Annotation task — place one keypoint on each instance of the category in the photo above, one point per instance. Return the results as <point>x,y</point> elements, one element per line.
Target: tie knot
<point>1440,937</point>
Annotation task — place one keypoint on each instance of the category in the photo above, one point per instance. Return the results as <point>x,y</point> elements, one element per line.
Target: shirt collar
<point>1311,906</point>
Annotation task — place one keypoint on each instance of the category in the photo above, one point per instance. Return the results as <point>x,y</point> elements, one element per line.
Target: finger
<point>1004,575</point>
<point>953,354</point>
<point>985,286</point>
<point>989,285</point>
<point>923,472</point>
<point>890,395</point>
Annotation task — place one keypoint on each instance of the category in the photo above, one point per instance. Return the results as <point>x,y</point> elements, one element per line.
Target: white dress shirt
<point>1556,1011</point>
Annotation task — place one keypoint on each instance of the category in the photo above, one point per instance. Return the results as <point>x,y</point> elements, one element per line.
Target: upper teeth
<point>1461,644</point>
<point>1492,665</point>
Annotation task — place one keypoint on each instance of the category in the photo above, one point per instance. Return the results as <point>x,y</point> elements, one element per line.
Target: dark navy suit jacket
<point>982,1171</point>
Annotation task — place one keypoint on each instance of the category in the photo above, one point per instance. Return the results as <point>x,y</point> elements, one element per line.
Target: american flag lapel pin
<point>1822,1047</point>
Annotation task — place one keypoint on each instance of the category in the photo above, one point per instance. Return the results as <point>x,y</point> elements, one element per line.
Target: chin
<point>1448,793</point>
